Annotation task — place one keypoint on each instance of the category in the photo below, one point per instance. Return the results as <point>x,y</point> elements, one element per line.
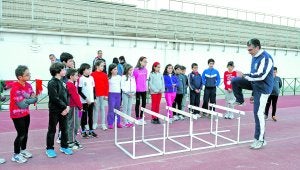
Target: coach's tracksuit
<point>260,80</point>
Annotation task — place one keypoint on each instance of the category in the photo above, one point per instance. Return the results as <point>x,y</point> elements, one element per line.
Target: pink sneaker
<point>128,125</point>
<point>110,126</point>
<point>119,125</point>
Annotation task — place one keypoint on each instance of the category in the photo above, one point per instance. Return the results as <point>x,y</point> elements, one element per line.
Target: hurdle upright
<point>134,141</point>
<point>211,131</point>
<point>190,134</point>
<point>239,113</point>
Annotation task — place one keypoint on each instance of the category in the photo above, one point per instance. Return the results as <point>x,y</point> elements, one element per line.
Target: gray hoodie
<point>156,83</point>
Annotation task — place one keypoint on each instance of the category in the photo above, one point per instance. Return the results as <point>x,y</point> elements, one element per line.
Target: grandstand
<point>95,18</point>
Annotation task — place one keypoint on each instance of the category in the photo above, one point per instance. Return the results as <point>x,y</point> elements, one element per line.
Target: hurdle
<point>239,113</point>
<point>211,131</point>
<point>166,135</point>
<point>134,141</point>
<point>191,134</point>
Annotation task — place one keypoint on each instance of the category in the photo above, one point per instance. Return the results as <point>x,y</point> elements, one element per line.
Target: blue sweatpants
<point>260,101</point>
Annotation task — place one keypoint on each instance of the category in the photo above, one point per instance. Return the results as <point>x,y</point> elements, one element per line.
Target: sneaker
<point>119,125</point>
<point>66,151</point>
<point>231,116</point>
<point>176,118</point>
<point>84,135</point>
<point>128,125</point>
<point>154,121</point>
<point>171,121</point>
<point>95,126</point>
<point>274,118</point>
<point>50,153</point>
<point>26,154</point>
<point>226,116</point>
<point>18,158</point>
<point>266,117</point>
<point>110,126</point>
<point>78,144</point>
<point>181,117</point>
<point>236,103</point>
<point>198,115</point>
<point>73,146</point>
<point>103,126</point>
<point>2,161</point>
<point>141,122</point>
<point>253,144</point>
<point>260,144</point>
<point>93,134</point>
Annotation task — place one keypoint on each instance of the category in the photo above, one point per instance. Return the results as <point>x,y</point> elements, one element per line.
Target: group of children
<point>78,95</point>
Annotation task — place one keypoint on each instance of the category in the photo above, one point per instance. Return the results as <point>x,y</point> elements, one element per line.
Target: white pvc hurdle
<point>213,114</point>
<point>134,141</point>
<point>238,113</point>
<point>190,134</point>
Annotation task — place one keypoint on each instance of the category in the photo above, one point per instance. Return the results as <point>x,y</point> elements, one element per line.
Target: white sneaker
<point>226,115</point>
<point>253,144</point>
<point>26,154</point>
<point>198,115</point>
<point>181,117</point>
<point>231,116</point>
<point>260,144</point>
<point>2,161</point>
<point>95,126</point>
<point>18,158</point>
<point>176,118</point>
<point>104,127</point>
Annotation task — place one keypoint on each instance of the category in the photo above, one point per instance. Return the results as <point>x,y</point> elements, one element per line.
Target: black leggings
<point>137,103</point>
<point>272,99</point>
<point>22,126</point>
<point>87,114</point>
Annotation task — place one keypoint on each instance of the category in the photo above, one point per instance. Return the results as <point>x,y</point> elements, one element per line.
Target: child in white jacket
<point>128,87</point>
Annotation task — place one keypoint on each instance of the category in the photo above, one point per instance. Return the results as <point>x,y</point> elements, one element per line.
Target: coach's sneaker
<point>18,158</point>
<point>2,161</point>
<point>66,151</point>
<point>51,153</point>
<point>26,154</point>
<point>253,144</point>
<point>260,144</point>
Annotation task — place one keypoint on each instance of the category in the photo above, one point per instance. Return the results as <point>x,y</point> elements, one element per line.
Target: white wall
<point>33,51</point>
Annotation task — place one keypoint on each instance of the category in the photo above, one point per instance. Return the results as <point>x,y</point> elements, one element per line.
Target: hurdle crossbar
<point>238,113</point>
<point>133,141</point>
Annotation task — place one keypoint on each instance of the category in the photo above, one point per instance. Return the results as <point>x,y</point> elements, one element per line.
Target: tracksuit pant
<point>260,101</point>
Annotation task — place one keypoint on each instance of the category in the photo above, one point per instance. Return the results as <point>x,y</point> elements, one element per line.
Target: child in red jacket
<point>75,106</point>
<point>21,96</point>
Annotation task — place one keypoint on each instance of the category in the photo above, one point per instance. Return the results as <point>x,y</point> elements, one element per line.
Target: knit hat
<point>156,64</point>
